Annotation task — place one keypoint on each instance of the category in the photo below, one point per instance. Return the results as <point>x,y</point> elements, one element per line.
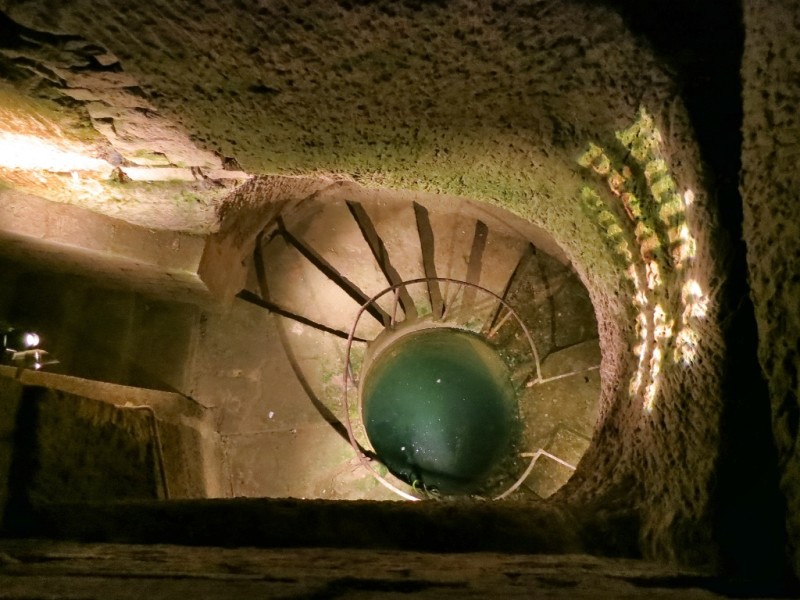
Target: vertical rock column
<point>769,184</point>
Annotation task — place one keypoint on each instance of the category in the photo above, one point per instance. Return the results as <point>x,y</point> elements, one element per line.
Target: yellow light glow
<point>661,187</point>
<point>694,300</point>
<point>680,254</point>
<point>655,169</point>
<point>637,379</point>
<point>655,363</point>
<point>616,182</point>
<point>696,310</point>
<point>653,274</point>
<point>678,233</point>
<point>663,325</point>
<point>691,291</point>
<point>650,396</point>
<point>670,208</point>
<point>663,316</point>
<point>27,152</point>
<point>622,249</point>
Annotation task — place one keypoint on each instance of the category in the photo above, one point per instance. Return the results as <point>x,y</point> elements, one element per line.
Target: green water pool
<point>439,409</point>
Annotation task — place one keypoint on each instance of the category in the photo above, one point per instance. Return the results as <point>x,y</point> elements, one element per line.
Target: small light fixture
<point>15,340</point>
<point>21,349</point>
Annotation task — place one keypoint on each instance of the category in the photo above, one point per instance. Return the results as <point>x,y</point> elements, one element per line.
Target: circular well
<point>439,409</point>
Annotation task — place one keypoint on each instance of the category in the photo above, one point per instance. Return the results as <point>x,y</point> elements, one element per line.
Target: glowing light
<point>650,396</point>
<point>694,300</point>
<point>655,363</point>
<point>27,152</point>
<point>641,321</point>
<point>632,206</point>
<point>616,182</point>
<point>655,168</point>
<point>605,218</point>
<point>696,310</point>
<point>663,316</point>
<point>653,274</point>
<point>691,290</point>
<point>661,187</point>
<point>671,208</point>
<point>663,325</point>
<point>641,326</point>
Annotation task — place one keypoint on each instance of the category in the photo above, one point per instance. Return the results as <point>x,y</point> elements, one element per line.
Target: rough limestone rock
<point>770,181</point>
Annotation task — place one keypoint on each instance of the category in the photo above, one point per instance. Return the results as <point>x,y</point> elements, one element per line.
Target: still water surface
<point>439,409</point>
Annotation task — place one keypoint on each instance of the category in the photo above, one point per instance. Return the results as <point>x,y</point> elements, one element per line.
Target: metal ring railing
<point>350,375</point>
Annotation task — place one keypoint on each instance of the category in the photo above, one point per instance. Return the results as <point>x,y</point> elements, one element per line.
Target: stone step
<point>395,223</point>
<point>296,283</point>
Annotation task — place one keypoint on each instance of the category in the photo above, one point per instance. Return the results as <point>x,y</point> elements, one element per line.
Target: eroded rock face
<point>769,186</point>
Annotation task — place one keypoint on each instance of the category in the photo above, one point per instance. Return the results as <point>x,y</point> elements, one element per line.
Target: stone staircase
<point>284,432</point>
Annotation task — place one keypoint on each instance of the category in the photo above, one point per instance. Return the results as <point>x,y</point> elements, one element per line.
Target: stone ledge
<point>75,240</point>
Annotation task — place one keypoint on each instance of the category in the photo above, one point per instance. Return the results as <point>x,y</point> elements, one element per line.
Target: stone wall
<point>769,185</point>
<point>61,447</point>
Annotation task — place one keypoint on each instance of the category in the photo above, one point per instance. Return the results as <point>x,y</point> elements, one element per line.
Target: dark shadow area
<point>522,264</point>
<point>381,255</point>
<point>475,264</point>
<point>347,286</point>
<point>18,517</point>
<point>427,245</point>
<point>421,526</point>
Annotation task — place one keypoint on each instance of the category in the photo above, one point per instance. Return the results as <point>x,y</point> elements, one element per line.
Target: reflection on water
<point>439,409</point>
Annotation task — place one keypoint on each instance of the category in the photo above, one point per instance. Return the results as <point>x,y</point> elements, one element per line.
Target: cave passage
<point>440,410</point>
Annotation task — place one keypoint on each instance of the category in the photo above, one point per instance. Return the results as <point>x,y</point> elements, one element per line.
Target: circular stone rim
<point>395,337</point>
<point>349,376</point>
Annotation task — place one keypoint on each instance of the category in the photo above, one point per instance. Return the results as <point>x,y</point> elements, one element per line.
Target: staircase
<point>331,275</point>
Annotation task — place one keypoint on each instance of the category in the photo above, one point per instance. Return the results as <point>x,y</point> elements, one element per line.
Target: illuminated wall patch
<point>644,221</point>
